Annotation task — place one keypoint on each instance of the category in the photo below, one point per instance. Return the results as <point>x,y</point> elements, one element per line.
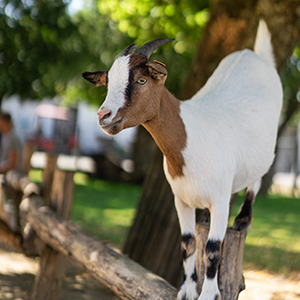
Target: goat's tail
<point>263,46</point>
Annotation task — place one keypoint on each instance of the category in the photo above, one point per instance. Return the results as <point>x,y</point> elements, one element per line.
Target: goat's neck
<point>168,131</point>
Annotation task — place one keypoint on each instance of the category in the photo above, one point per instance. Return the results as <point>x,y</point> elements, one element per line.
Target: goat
<point>217,143</point>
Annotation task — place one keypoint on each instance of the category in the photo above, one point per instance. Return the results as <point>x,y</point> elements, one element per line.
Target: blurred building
<point>70,131</point>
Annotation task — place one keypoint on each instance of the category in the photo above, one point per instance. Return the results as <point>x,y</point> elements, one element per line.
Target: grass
<point>273,241</point>
<point>104,209</point>
<point>107,210</point>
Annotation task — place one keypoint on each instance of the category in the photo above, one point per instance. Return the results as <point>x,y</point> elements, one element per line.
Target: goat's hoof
<point>241,224</point>
<point>188,291</point>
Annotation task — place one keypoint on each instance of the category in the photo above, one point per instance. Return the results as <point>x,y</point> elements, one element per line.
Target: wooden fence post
<point>27,152</point>
<point>231,280</point>
<point>58,193</point>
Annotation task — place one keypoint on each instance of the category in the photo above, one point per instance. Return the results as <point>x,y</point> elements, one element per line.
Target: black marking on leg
<point>213,254</point>
<point>194,276</point>
<point>188,245</point>
<point>212,246</point>
<point>244,218</point>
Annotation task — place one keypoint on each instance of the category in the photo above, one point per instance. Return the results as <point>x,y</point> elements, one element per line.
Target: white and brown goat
<point>215,144</point>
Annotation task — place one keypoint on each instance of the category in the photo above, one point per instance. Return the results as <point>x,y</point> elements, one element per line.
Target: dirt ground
<point>17,278</point>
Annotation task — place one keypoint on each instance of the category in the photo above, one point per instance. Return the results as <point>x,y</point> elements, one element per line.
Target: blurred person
<point>10,150</point>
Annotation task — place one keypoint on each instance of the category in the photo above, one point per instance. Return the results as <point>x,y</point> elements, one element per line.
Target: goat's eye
<point>142,81</point>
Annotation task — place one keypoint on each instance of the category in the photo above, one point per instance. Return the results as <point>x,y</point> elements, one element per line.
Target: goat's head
<point>134,87</point>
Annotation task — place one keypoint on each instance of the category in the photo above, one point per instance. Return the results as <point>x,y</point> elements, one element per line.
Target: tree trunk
<point>143,151</point>
<point>232,26</point>
<point>154,238</point>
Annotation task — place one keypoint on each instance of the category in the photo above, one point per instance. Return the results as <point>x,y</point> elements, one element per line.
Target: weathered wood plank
<point>124,277</point>
<point>20,182</point>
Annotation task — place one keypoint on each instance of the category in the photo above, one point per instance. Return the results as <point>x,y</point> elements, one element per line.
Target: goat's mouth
<point>111,128</point>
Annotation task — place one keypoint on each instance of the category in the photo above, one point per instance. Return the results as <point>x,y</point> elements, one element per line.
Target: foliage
<point>39,45</point>
<point>147,20</point>
<point>116,24</point>
<point>43,50</point>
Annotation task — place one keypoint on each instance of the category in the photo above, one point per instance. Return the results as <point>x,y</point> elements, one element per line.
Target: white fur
<point>231,130</point>
<point>117,82</point>
<point>188,290</point>
<point>210,289</point>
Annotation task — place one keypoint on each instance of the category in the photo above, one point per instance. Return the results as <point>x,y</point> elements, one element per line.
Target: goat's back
<point>232,121</point>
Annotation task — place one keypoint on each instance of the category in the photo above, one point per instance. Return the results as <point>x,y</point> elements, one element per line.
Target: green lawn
<point>273,241</point>
<point>104,209</point>
<point>107,210</point>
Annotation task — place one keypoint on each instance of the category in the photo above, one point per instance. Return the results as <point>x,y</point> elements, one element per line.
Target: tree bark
<point>124,277</point>
<point>232,26</point>
<point>143,151</point>
<point>154,238</point>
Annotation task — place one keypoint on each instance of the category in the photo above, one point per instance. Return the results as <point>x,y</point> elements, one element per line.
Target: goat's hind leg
<point>244,218</point>
<point>186,215</point>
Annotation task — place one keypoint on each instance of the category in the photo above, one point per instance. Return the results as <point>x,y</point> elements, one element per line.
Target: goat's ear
<point>156,69</point>
<point>97,78</point>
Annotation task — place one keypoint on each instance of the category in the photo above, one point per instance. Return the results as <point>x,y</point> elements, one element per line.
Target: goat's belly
<point>197,192</point>
<point>191,194</point>
<point>249,172</point>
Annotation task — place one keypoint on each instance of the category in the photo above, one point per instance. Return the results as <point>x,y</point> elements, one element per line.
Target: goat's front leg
<point>218,226</point>
<point>186,215</point>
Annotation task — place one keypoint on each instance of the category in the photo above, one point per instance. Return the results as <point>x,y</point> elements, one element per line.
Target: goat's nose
<point>103,113</point>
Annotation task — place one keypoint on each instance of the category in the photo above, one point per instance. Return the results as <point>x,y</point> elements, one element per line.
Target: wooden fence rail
<point>126,278</point>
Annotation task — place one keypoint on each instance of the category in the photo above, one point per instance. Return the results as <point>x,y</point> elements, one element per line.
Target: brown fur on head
<point>144,83</point>
<point>135,86</point>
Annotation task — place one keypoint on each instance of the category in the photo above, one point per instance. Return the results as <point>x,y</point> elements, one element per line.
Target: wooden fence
<point>43,228</point>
